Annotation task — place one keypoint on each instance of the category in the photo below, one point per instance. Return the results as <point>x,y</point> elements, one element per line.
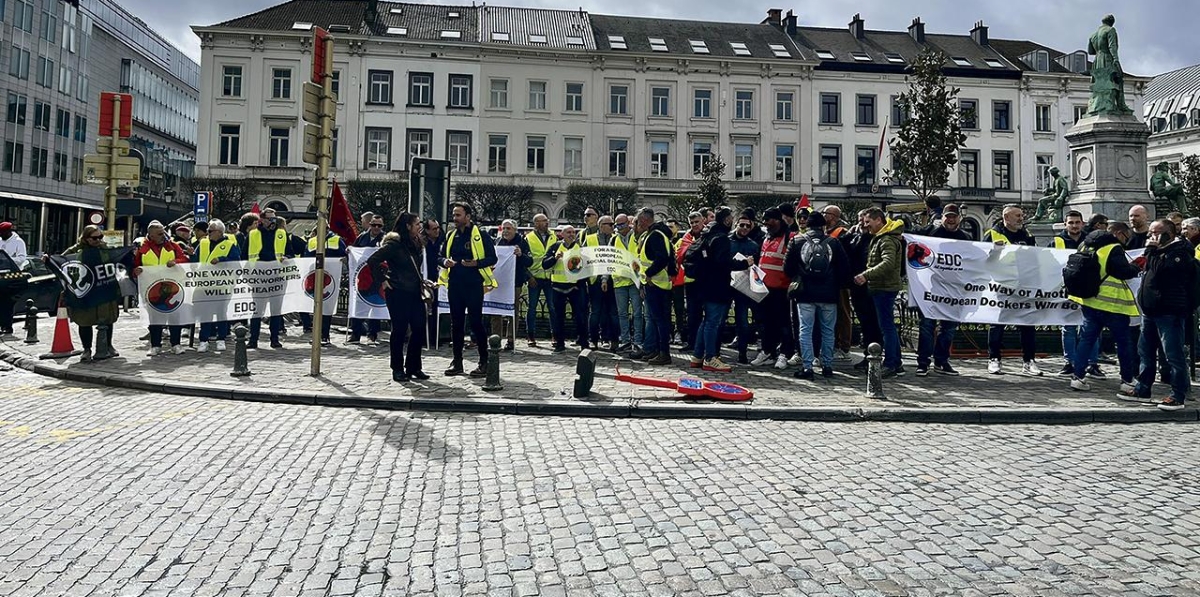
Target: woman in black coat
<point>395,267</point>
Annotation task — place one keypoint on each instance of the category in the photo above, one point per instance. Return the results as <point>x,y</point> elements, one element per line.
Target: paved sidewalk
<point>537,381</point>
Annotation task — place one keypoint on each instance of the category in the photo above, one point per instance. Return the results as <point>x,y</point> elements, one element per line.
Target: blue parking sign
<point>200,208</point>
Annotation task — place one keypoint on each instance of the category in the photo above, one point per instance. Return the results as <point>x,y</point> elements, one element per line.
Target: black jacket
<point>857,245</point>
<point>942,232</point>
<point>818,288</point>
<point>718,265</point>
<point>402,261</point>
<point>1118,265</point>
<point>365,240</point>
<point>660,254</point>
<point>1168,283</point>
<point>524,261</point>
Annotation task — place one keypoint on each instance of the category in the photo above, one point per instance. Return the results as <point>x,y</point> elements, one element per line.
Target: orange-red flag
<point>341,221</point>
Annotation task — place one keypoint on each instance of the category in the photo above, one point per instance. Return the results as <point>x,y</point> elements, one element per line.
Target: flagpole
<point>322,196</point>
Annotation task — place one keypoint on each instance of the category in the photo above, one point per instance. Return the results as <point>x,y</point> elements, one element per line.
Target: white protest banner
<point>978,282</point>
<point>602,261</point>
<point>197,293</point>
<point>365,300</point>
<point>502,300</point>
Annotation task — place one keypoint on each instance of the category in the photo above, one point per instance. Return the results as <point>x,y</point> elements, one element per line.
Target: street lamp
<point>168,198</point>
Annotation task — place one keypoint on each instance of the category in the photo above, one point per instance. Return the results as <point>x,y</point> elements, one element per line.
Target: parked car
<point>43,288</point>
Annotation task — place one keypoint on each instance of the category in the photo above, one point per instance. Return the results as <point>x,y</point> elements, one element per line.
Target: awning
<point>51,200</point>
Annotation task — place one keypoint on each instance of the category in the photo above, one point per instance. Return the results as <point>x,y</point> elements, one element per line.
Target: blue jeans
<point>885,310</point>
<point>535,292</point>
<point>1094,322</point>
<point>1070,340</point>
<point>936,346</point>
<point>1166,331</point>
<point>214,331</point>
<point>658,320</point>
<point>627,297</point>
<point>709,331</point>
<point>811,314</point>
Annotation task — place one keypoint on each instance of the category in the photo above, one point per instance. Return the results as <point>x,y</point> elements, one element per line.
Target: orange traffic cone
<point>62,347</point>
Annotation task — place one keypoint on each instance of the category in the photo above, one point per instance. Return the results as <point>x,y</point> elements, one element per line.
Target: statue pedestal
<point>1109,171</point>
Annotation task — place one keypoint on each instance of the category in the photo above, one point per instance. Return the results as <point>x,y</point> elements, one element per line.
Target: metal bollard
<point>241,364</point>
<point>875,372</point>
<point>104,349</point>
<point>492,384</point>
<point>31,313</point>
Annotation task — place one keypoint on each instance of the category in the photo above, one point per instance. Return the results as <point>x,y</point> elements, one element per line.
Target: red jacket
<point>156,252</point>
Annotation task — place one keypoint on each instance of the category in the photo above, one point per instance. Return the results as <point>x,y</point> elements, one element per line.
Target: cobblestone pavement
<point>537,375</point>
<point>114,492</point>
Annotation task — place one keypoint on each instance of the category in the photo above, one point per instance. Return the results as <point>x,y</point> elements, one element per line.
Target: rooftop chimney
<point>980,34</point>
<point>917,30</point>
<point>790,23</point>
<point>858,27</point>
<point>774,17</point>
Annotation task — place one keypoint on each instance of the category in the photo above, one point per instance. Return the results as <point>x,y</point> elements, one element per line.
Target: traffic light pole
<point>110,194</point>
<point>328,112</point>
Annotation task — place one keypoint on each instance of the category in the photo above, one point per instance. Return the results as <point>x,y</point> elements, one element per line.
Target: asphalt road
<point>115,492</point>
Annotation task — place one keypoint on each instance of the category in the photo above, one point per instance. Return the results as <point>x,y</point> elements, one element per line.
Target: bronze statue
<point>1163,185</point>
<point>1053,198</point>
<point>1108,81</point>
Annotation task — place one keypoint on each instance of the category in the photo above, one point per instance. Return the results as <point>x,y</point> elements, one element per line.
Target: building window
<point>1045,161</point>
<point>743,105</point>
<point>335,85</point>
<point>41,115</point>
<point>39,160</point>
<point>1002,170</point>
<point>1043,124</point>
<point>618,155</point>
<point>81,89</point>
<point>379,90</point>
<point>660,159</point>
<point>702,103</point>
<point>420,144</point>
<point>968,169</point>
<point>574,97</point>
<point>49,23</point>
<point>80,128</point>
<point>831,111</point>
<point>1080,112</point>
<point>831,165</point>
<point>743,162</point>
<point>497,154</point>
<point>231,81</point>
<point>866,110</point>
<point>14,157</point>
<point>281,83</point>
<point>537,96</point>
<point>60,166</point>
<point>1001,111</point>
<point>701,155</point>
<point>333,158</point>
<point>535,155</point>
<point>62,122</point>
<point>279,147</point>
<point>900,112</point>
<point>968,110</point>
<point>618,100</point>
<point>420,89</point>
<point>660,101</point>
<point>783,106</point>
<point>784,160</point>
<point>65,79</point>
<point>460,91</point>
<point>16,108</point>
<point>864,168</point>
<point>379,148</point>
<point>572,156</point>
<point>45,72</point>
<point>18,63</point>
<point>23,16</point>
<point>499,94</point>
<point>458,151</point>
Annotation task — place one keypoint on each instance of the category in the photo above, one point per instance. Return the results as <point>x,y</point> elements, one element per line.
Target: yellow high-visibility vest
<point>632,247</point>
<point>255,244</point>
<point>208,253</point>
<point>331,243</point>
<point>477,253</point>
<point>662,280</point>
<point>537,249</point>
<point>164,255</point>
<point>1115,295</point>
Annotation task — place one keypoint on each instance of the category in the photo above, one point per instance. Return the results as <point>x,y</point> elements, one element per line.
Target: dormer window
<point>617,42</point>
<point>893,57</point>
<point>451,34</point>
<point>992,62</point>
<point>698,46</point>
<point>537,38</point>
<point>861,56</point>
<point>739,48</point>
<point>825,55</point>
<point>658,44</point>
<point>397,11</point>
<point>960,61</point>
<point>401,31</point>
<point>780,51</point>
<point>574,41</point>
<point>301,26</point>
<point>454,14</point>
<point>500,36</point>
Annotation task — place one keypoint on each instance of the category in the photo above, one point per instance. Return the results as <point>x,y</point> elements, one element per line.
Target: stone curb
<point>636,408</point>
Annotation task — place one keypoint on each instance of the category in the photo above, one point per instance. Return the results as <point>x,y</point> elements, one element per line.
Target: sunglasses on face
<point>101,237</point>
<point>744,226</point>
<point>377,225</point>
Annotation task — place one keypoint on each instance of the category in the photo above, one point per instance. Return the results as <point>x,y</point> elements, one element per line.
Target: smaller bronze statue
<point>1163,185</point>
<point>1053,198</point>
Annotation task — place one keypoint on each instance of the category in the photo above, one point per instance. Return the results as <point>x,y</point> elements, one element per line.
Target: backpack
<point>694,257</point>
<point>816,256</point>
<point>1081,275</point>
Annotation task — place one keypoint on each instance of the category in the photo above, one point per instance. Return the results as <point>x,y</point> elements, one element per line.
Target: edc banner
<point>198,293</point>
<point>978,282</point>
<point>602,261</point>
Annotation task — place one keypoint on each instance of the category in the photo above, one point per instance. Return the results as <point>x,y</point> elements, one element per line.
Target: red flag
<point>804,203</point>
<point>255,209</point>
<point>341,221</point>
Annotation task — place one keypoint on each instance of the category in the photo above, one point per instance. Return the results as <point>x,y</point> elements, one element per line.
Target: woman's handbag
<point>428,288</point>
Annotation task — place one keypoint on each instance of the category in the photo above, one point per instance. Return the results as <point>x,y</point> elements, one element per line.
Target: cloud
<point>1150,44</point>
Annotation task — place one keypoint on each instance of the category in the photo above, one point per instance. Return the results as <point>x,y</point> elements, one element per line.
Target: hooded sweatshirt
<point>885,259</point>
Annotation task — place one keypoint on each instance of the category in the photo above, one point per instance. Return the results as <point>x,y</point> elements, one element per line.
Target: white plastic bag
<point>750,283</point>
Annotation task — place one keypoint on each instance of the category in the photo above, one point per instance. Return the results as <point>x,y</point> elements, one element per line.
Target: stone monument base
<point>1109,171</point>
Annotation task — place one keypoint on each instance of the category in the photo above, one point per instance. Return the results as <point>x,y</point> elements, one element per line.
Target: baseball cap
<point>5,226</point>
<point>950,209</point>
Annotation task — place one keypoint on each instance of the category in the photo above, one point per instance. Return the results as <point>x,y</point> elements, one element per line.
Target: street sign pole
<point>110,197</point>
<point>322,50</point>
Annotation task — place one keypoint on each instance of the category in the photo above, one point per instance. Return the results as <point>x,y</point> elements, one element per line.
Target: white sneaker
<point>154,351</point>
<point>1080,385</point>
<point>220,345</point>
<point>994,367</point>
<point>841,355</point>
<point>1128,386</point>
<point>203,347</point>
<point>178,349</point>
<point>781,363</point>
<point>1031,368</point>
<point>795,361</point>
<point>760,360</point>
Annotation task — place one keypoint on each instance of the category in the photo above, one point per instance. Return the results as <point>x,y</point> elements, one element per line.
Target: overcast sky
<point>1152,41</point>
